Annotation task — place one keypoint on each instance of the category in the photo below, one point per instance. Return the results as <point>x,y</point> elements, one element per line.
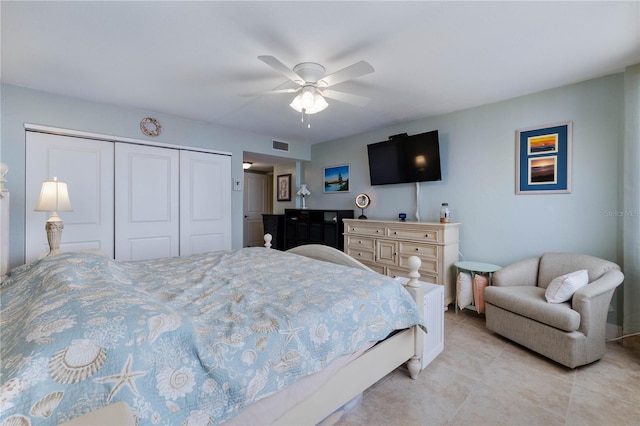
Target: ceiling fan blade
<point>352,71</point>
<point>272,92</point>
<point>345,97</point>
<point>281,68</point>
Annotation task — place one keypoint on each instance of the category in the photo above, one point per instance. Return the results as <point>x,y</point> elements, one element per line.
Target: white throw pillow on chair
<point>561,289</point>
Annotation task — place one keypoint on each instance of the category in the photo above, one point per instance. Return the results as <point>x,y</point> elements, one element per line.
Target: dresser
<point>386,246</point>
<point>305,226</point>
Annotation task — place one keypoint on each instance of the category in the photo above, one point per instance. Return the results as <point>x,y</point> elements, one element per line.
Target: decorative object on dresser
<point>274,224</point>
<point>385,246</point>
<point>314,227</point>
<point>303,192</point>
<point>54,198</point>
<point>362,202</point>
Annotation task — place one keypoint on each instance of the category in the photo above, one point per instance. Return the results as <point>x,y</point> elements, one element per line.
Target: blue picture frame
<point>336,179</point>
<point>543,159</point>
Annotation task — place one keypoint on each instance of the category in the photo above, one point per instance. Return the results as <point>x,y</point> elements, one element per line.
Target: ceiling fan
<point>313,84</point>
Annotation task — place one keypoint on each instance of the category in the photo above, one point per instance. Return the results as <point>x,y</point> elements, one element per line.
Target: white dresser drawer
<point>428,266</point>
<point>423,251</point>
<point>361,255</point>
<point>365,229</point>
<point>360,243</point>
<point>420,234</point>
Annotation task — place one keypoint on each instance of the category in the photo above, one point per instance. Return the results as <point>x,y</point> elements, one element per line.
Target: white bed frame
<point>374,364</point>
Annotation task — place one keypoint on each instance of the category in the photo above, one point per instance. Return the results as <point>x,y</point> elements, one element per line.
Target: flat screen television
<point>405,159</point>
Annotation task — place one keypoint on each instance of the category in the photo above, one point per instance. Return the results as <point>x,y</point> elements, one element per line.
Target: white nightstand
<point>434,318</point>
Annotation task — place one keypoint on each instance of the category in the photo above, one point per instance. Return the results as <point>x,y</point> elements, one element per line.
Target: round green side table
<point>474,268</point>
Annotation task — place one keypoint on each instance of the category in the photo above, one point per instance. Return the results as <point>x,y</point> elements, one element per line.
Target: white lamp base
<point>54,227</point>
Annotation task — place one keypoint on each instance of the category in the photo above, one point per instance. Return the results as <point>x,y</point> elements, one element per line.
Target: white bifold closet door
<point>171,202</point>
<point>147,202</point>
<point>205,202</point>
<point>132,201</point>
<point>87,167</point>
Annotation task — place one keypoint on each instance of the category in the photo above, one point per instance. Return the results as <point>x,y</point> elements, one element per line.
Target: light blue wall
<point>20,105</point>
<point>478,160</point>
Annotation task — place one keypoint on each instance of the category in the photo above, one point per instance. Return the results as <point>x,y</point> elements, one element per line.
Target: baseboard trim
<point>631,342</point>
<point>612,331</point>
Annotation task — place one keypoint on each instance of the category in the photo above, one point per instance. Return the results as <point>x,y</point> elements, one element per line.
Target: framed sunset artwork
<point>543,159</point>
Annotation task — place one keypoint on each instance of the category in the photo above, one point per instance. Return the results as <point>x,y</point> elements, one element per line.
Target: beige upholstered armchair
<point>572,332</point>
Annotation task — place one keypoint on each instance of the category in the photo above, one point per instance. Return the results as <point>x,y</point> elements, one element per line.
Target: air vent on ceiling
<point>280,146</point>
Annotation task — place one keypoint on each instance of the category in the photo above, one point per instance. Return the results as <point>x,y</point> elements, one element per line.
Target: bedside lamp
<point>54,198</point>
<point>304,192</point>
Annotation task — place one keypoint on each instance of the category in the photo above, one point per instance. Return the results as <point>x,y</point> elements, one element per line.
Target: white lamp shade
<point>319,103</point>
<point>303,190</point>
<point>54,197</point>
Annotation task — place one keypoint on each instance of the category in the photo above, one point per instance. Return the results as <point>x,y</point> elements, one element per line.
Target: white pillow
<point>561,289</point>
<point>464,290</point>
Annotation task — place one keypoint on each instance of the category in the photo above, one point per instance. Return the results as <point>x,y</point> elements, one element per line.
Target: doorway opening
<point>259,196</point>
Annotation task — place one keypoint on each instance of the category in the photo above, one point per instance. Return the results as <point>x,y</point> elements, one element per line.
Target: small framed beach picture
<point>336,179</point>
<point>543,159</point>
<point>284,187</point>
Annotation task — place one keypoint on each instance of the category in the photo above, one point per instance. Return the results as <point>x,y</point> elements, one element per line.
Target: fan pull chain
<point>308,118</point>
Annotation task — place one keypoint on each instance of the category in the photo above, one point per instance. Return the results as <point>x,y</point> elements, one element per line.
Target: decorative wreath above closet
<point>157,127</point>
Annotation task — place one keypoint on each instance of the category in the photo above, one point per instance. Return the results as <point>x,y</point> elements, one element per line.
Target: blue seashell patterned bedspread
<point>184,340</point>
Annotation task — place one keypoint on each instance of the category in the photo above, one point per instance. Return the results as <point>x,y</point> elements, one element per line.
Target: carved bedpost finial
<point>414,265</point>
<point>267,240</point>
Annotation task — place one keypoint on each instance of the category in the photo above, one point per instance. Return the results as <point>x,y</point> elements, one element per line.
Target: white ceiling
<point>196,59</point>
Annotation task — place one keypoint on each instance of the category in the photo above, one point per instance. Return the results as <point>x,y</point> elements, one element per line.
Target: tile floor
<point>483,379</point>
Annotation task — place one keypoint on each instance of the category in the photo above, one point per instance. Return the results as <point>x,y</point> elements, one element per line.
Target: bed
<point>215,338</point>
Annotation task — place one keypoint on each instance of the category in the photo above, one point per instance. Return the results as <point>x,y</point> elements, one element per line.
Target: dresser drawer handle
<point>359,241</point>
<point>395,232</point>
<point>417,249</point>
<point>377,231</point>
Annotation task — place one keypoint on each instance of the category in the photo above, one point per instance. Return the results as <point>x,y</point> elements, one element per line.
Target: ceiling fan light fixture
<point>317,104</point>
<point>307,100</point>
